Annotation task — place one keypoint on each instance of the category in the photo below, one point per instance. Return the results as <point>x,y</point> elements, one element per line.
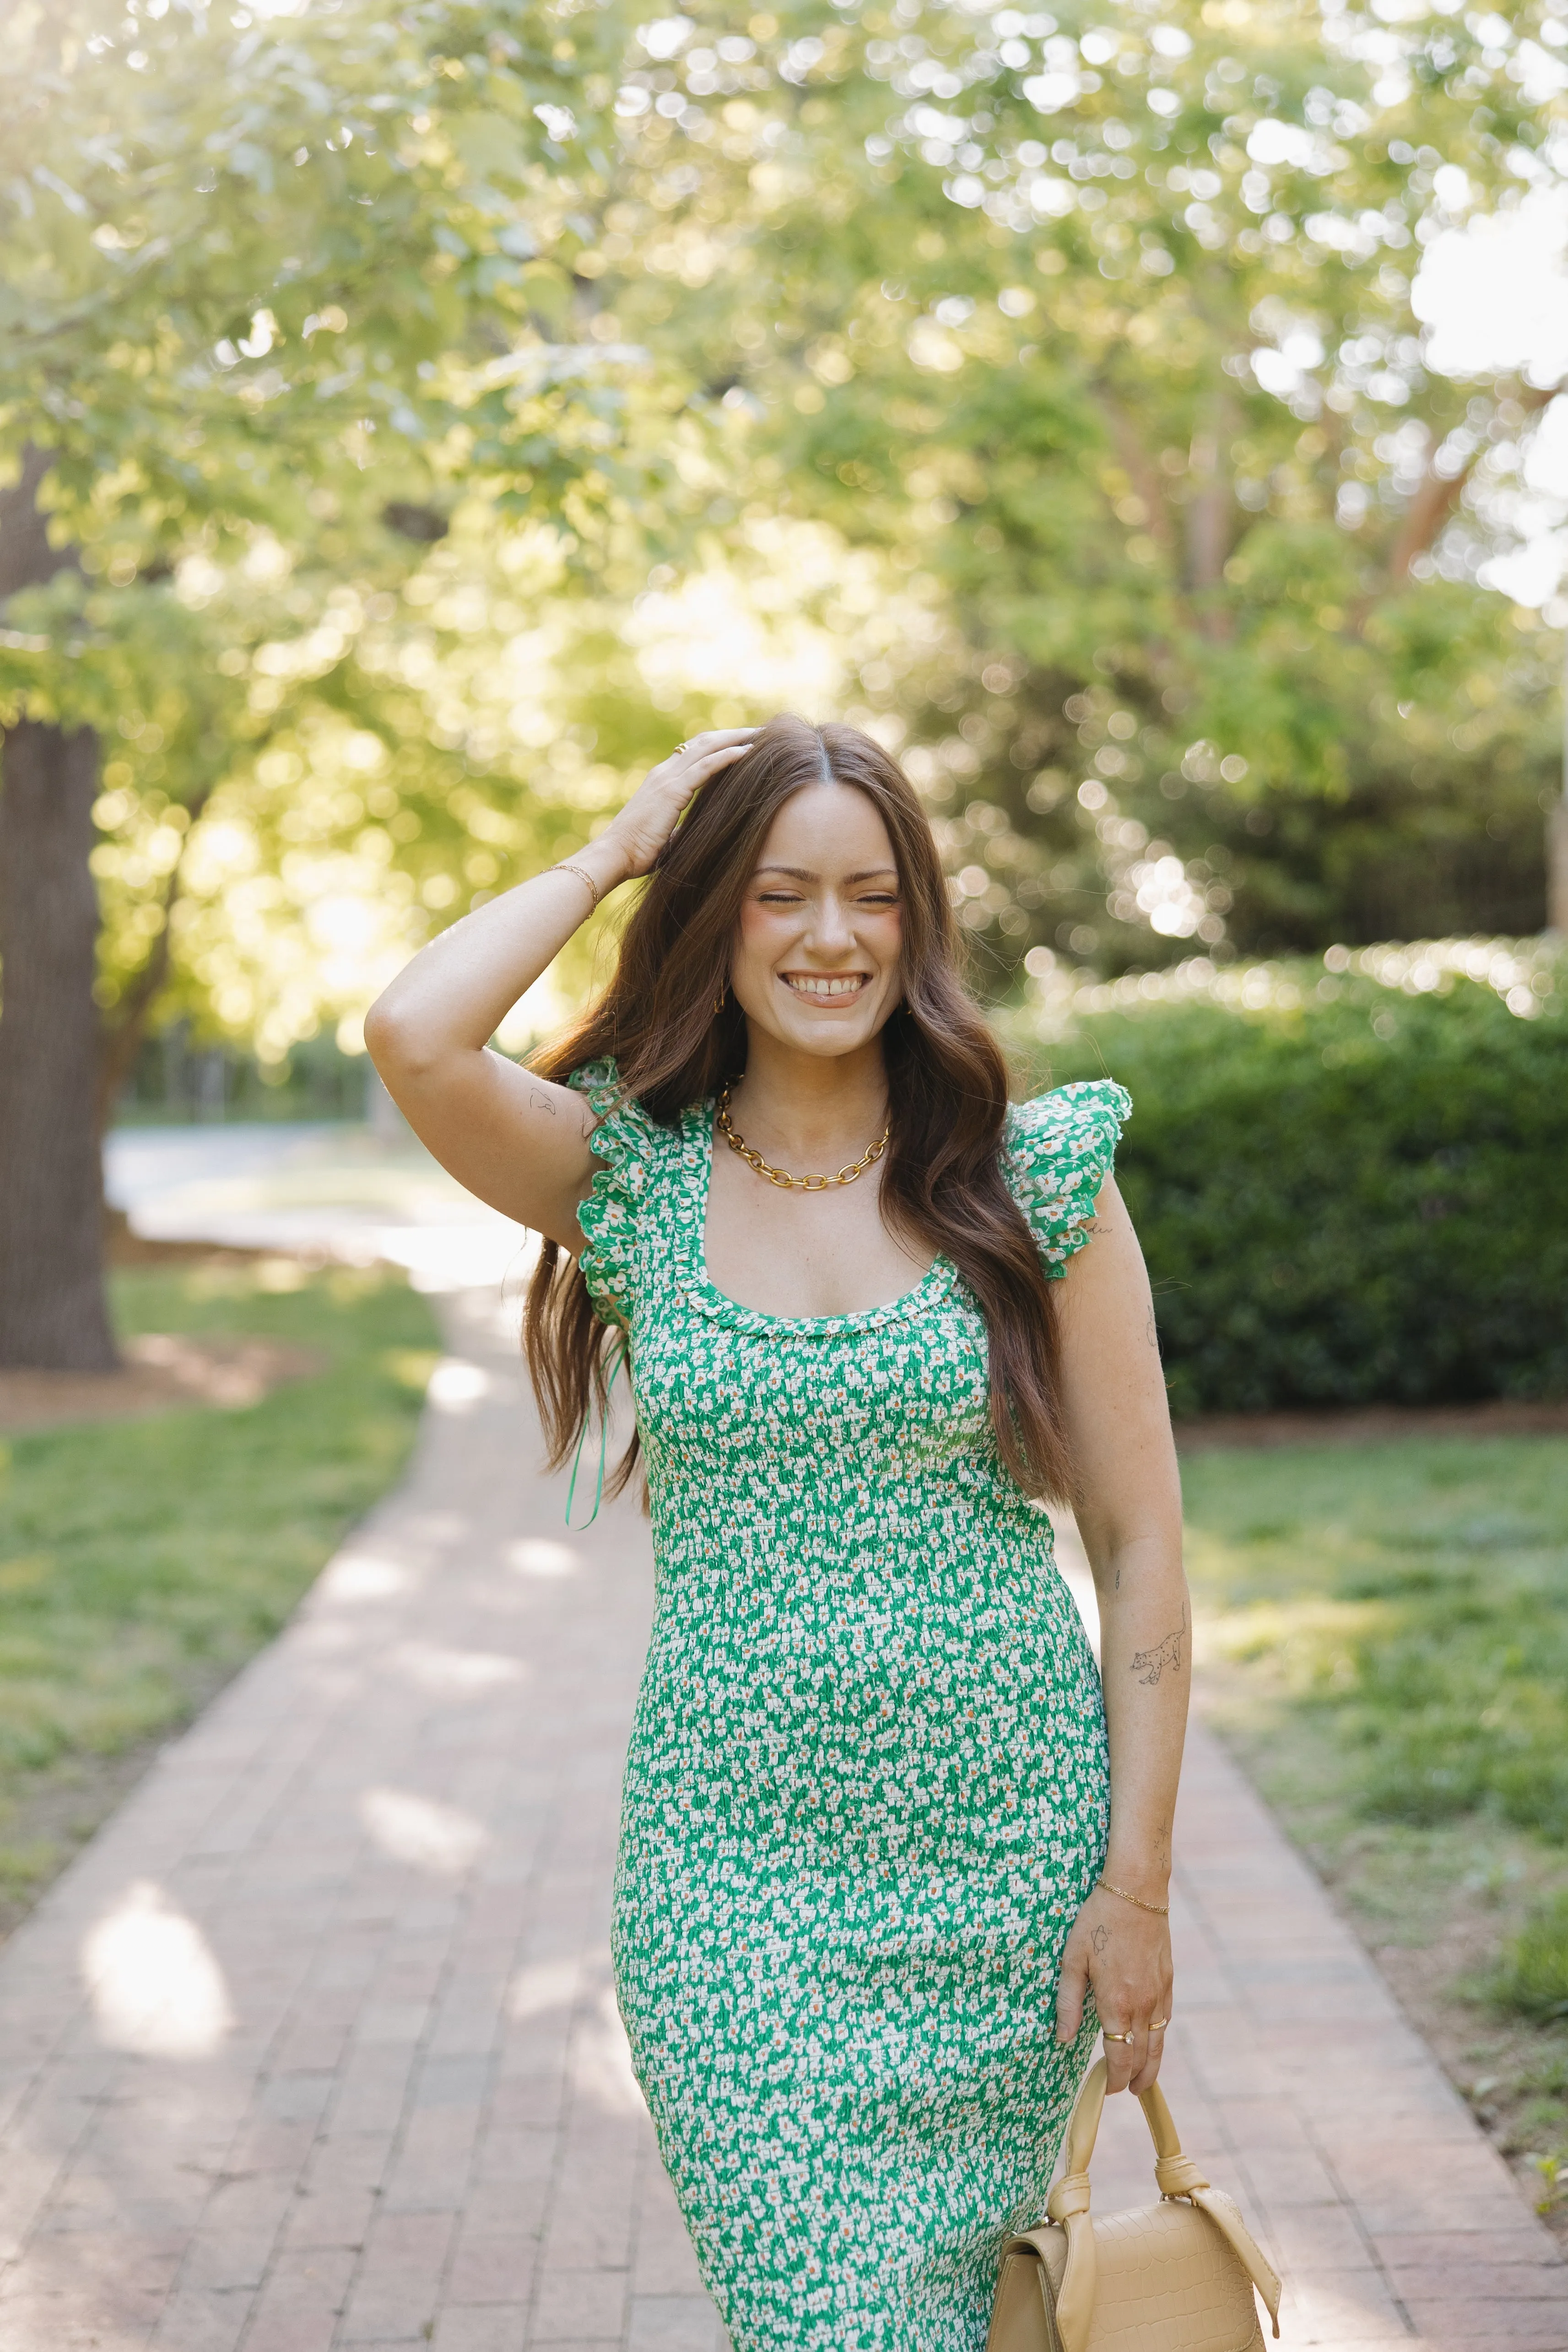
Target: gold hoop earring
<point>719,999</point>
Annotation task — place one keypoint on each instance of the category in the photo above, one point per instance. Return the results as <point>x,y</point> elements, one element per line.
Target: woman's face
<point>817,957</point>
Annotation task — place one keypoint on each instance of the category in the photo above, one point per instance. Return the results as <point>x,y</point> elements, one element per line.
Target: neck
<point>806,1104</point>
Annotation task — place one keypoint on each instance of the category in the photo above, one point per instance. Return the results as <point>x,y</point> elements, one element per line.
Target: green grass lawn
<point>143,1561</point>
<point>1383,1633</point>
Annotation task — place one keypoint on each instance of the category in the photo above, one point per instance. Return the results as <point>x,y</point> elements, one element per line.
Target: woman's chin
<point>830,1034</point>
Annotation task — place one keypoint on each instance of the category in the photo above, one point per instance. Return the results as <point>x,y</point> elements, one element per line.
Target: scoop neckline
<point>696,1152</point>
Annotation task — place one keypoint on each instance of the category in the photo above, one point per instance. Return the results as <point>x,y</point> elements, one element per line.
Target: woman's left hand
<point>1123,1955</point>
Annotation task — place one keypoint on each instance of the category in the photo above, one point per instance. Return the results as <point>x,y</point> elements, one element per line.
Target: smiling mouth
<point>827,987</point>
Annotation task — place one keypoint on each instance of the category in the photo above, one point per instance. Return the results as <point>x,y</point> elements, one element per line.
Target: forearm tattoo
<point>1150,1665</point>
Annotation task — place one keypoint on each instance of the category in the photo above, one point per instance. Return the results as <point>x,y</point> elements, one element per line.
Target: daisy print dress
<point>868,1786</point>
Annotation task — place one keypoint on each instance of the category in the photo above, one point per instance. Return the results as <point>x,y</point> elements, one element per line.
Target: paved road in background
<point>340,1190</point>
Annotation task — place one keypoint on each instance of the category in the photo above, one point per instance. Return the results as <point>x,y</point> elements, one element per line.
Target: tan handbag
<point>1173,2277</point>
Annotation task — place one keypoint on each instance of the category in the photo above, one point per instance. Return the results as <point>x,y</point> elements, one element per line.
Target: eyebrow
<point>803,873</point>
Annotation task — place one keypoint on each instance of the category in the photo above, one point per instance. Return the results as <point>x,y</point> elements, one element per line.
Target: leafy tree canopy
<point>1107,325</point>
<point>1047,391</point>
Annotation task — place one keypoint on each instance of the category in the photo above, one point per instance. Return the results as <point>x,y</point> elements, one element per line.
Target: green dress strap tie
<point>603,1442</point>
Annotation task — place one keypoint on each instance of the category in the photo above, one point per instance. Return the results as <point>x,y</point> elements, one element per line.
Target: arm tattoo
<point>537,1101</point>
<point>1099,1937</point>
<point>1150,1665</point>
<point>1153,1332</point>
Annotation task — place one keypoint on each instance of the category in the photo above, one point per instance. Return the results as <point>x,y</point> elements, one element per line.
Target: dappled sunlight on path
<point>316,2044</point>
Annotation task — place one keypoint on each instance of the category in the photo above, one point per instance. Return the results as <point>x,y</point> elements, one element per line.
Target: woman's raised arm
<point>519,1141</point>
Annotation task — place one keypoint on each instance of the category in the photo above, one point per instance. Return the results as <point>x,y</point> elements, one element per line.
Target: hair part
<point>943,1183</point>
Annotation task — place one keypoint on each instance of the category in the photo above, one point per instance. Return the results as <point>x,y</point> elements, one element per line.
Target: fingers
<point>1132,2055</point>
<point>1071,1988</point>
<point>708,762</point>
<point>1148,2072</point>
<point>690,765</point>
<point>717,745</point>
<point>714,736</point>
<point>1121,2044</point>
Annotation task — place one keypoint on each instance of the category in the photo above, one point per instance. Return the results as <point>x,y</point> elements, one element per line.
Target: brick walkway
<point>315,2045</point>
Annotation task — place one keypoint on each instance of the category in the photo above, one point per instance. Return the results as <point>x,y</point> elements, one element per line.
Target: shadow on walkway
<point>315,2045</point>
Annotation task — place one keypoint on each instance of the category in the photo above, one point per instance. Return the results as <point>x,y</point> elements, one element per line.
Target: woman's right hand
<point>655,809</point>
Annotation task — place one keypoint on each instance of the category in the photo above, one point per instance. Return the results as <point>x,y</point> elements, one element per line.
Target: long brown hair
<point>947,1085</point>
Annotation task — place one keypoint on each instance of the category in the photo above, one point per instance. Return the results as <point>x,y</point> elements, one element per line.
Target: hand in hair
<point>513,1137</point>
<point>656,808</point>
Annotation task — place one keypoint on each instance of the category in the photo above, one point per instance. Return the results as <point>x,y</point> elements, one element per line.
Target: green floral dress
<point>867,1786</point>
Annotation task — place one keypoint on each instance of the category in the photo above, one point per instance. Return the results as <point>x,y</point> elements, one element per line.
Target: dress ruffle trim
<point>1061,1148</point>
<point>624,1138</point>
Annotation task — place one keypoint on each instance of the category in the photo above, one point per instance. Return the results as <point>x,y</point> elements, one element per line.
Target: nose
<point>831,930</point>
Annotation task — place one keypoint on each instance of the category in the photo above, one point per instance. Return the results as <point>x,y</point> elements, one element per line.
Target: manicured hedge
<point>1362,1196</point>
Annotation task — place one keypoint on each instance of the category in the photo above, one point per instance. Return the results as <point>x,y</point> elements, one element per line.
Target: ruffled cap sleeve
<point>626,1139</point>
<point>1059,1151</point>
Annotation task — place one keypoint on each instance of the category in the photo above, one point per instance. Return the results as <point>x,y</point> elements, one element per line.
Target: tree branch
<point>1143,475</point>
<point>1436,495</point>
<point>122,1038</point>
<point>27,559</point>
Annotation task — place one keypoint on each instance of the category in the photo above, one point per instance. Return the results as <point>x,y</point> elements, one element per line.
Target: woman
<point>881,1839</point>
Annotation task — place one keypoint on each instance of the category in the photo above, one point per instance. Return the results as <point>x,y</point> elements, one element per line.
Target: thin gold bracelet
<point>1161,1910</point>
<point>583,876</point>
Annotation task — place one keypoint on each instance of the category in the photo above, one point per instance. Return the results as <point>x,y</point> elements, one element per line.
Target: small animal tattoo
<point>537,1101</point>
<point>1099,1937</point>
<point>1150,1665</point>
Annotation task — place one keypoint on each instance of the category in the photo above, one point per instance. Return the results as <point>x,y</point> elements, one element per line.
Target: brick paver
<point>315,2045</point>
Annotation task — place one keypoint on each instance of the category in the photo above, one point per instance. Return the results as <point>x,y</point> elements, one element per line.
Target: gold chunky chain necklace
<point>779,1176</point>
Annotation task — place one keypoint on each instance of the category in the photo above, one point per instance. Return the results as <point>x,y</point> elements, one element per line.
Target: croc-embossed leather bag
<point>1173,2277</point>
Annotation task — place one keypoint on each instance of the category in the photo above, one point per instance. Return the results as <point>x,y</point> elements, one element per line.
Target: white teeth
<point>846,985</point>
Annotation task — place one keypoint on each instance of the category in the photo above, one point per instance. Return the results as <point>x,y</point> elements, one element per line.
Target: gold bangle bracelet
<point>583,876</point>
<point>1161,1910</point>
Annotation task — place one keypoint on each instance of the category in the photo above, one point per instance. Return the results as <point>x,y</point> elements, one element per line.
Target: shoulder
<point>1057,1150</point>
<point>618,1204</point>
<point>1070,1123</point>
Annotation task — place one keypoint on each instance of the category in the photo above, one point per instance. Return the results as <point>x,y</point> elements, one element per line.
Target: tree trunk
<point>1557,866</point>
<point>53,1314</point>
<point>1209,519</point>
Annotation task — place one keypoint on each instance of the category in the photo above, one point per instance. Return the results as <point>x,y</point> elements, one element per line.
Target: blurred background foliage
<point>434,415</point>
<point>1350,1184</point>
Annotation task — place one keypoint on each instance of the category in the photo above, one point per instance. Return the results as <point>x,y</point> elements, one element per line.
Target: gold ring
<point>1108,2035</point>
<point>1158,2024</point>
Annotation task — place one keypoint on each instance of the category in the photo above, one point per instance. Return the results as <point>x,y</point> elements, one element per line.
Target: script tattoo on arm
<point>1150,1665</point>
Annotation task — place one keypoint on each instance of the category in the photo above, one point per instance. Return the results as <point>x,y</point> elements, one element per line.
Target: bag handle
<point>1175,2174</point>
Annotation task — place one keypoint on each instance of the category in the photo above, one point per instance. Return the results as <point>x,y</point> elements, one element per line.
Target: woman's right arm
<point>520,1142</point>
